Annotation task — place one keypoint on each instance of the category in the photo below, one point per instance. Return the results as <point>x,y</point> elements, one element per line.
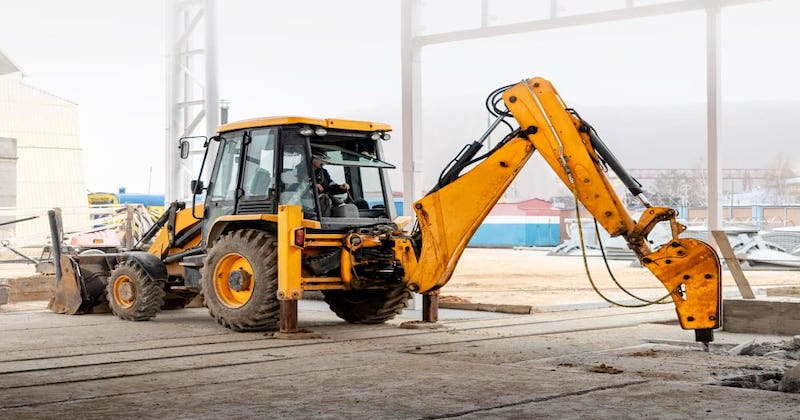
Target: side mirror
<point>184,146</point>
<point>197,186</point>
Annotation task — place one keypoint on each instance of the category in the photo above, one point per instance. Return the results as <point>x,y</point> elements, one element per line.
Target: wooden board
<point>725,249</point>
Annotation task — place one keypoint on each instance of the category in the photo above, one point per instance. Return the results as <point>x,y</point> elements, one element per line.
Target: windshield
<point>339,156</point>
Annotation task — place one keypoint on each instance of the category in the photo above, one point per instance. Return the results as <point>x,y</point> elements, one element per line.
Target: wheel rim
<point>233,264</point>
<point>124,291</point>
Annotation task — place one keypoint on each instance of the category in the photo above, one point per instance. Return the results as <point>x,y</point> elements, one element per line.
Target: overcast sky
<point>341,59</point>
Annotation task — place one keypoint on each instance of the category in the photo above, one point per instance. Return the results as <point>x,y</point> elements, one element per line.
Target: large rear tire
<point>370,306</point>
<point>132,294</point>
<point>240,281</point>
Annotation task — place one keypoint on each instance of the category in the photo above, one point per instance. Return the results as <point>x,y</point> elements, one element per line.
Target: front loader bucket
<point>692,273</point>
<point>74,294</point>
<point>68,297</point>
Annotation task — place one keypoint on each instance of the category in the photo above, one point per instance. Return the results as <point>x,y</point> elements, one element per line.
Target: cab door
<point>259,183</point>
<point>223,188</point>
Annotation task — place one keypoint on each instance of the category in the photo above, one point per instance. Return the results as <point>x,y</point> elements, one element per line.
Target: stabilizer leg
<point>288,323</point>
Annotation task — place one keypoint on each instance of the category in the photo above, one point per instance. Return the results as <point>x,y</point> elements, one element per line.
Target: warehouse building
<point>40,158</point>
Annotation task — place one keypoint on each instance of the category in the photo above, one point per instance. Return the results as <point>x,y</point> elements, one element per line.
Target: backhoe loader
<point>256,237</point>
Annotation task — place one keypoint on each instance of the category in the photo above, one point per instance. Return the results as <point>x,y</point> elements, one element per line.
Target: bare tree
<point>777,180</point>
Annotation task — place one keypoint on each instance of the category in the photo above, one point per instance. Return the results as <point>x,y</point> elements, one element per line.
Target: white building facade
<point>42,164</point>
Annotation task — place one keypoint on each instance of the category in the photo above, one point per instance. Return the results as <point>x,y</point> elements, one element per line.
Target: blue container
<point>510,231</point>
<point>146,200</point>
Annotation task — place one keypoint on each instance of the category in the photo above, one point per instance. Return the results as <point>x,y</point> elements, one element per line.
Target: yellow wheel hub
<point>124,291</point>
<point>233,280</point>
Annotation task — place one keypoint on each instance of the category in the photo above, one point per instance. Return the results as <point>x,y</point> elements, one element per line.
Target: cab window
<point>259,164</point>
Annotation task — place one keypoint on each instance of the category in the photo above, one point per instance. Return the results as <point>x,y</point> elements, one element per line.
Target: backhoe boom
<point>449,215</point>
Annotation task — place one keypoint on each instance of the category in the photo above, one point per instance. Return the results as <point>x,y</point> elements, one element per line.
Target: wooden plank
<point>721,238</point>
<point>31,288</point>
<point>790,291</point>
<point>129,214</point>
<point>487,307</point>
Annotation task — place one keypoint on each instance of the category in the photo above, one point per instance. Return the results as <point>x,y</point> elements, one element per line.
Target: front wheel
<point>240,281</point>
<point>132,294</point>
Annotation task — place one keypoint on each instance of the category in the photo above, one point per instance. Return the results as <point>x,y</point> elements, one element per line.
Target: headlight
<point>320,131</point>
<point>306,131</point>
<point>386,136</point>
<point>375,136</point>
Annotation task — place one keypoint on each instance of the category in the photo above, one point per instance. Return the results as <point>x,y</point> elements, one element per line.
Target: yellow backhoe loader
<point>269,225</point>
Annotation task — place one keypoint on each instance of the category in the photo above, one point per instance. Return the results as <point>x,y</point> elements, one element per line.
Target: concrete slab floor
<point>548,365</point>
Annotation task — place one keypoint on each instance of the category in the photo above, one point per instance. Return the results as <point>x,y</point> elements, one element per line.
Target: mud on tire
<point>371,306</point>
<point>240,281</point>
<point>132,294</point>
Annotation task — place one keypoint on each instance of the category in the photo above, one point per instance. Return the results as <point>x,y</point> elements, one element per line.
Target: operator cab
<point>266,162</point>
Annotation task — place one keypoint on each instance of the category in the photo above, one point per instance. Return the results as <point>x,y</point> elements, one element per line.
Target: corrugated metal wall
<point>49,168</point>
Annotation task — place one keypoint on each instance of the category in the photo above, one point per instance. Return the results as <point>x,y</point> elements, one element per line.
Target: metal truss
<point>192,95</point>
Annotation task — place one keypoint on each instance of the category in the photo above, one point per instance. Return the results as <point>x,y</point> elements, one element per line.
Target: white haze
<point>342,59</point>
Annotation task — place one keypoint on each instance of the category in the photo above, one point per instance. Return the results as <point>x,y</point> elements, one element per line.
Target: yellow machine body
<point>256,260</point>
<point>689,269</point>
<point>184,220</point>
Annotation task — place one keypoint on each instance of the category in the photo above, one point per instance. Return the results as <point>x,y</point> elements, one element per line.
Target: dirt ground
<point>589,362</point>
<point>531,277</point>
<point>597,363</point>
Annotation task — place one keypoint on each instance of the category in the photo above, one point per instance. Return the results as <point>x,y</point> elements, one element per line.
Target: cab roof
<point>327,123</point>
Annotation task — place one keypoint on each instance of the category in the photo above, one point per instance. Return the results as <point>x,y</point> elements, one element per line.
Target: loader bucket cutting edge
<point>68,297</point>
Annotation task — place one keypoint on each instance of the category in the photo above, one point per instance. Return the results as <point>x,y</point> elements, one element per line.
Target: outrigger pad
<point>692,273</point>
<point>68,297</point>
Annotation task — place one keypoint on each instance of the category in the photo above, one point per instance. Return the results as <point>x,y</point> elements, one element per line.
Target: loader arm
<point>448,217</point>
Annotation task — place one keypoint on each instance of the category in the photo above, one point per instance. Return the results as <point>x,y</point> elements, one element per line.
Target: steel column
<point>713,112</point>
<point>412,106</point>
<point>192,97</point>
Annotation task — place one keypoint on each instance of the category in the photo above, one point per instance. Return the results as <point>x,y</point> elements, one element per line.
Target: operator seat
<point>297,190</point>
<point>260,183</point>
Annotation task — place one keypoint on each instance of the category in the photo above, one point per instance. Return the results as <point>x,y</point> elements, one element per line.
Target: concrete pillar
<point>8,186</point>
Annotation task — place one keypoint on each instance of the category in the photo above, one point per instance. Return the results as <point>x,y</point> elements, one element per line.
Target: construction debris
<point>789,349</point>
<point>791,380</point>
<point>787,381</point>
<point>604,368</point>
<point>768,381</point>
<point>758,252</point>
<point>755,251</point>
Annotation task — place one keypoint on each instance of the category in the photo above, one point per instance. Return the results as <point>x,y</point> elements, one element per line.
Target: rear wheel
<point>240,281</point>
<point>371,306</point>
<point>132,294</point>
